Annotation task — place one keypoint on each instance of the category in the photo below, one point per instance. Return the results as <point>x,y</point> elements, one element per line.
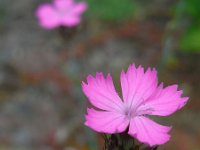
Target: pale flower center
<point>131,112</point>
<point>63,12</point>
<point>128,112</point>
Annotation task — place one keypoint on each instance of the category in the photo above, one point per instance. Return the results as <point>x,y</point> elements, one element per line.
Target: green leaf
<point>111,9</point>
<point>192,7</point>
<point>191,40</point>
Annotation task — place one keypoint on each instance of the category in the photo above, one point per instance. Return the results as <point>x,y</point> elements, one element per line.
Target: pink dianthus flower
<point>141,97</point>
<point>60,13</point>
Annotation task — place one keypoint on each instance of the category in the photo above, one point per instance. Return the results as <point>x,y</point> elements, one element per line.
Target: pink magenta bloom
<point>142,96</point>
<point>60,13</point>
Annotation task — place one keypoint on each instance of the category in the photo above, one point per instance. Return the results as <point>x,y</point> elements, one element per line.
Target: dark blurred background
<point>42,106</point>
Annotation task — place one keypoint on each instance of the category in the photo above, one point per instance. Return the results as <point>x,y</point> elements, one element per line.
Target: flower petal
<point>106,122</point>
<point>63,4</point>
<point>47,16</point>
<point>70,21</point>
<point>148,131</point>
<point>136,85</point>
<point>79,8</point>
<point>165,101</point>
<point>101,93</point>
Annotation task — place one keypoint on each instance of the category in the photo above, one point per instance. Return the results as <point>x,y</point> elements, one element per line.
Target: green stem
<point>169,38</point>
<point>123,141</point>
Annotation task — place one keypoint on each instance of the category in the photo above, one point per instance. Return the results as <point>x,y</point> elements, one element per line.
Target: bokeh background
<point>42,106</point>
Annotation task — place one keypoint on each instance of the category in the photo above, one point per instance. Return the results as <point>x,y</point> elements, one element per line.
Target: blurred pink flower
<point>141,97</point>
<point>60,13</point>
